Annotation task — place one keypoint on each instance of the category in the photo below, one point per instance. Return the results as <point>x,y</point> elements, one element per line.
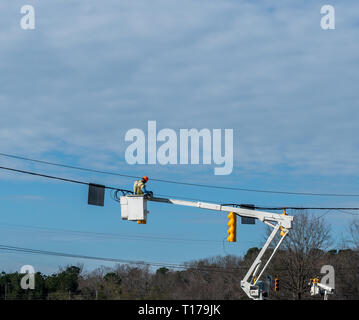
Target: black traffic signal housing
<point>96,194</point>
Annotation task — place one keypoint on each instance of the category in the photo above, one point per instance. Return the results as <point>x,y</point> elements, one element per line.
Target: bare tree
<point>354,234</point>
<point>301,255</point>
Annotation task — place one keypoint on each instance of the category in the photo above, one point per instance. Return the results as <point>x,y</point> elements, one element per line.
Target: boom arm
<point>276,221</point>
<point>283,220</point>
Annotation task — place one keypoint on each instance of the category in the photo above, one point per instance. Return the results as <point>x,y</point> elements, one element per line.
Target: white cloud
<point>93,70</point>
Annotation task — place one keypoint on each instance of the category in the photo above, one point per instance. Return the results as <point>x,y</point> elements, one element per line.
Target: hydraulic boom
<point>134,207</point>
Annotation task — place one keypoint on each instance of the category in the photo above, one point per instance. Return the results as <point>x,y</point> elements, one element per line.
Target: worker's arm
<point>145,191</point>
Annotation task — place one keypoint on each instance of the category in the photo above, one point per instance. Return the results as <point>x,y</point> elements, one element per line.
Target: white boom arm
<point>276,221</point>
<point>283,220</point>
<point>318,288</point>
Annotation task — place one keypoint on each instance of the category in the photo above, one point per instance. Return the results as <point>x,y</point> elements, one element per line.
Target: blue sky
<point>90,71</point>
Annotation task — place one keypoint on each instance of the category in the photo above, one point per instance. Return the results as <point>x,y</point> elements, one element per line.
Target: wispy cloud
<point>93,70</point>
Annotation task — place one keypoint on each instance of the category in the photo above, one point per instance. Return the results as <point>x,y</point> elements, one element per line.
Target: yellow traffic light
<point>232,227</point>
<point>276,284</point>
<point>282,232</point>
<point>315,280</point>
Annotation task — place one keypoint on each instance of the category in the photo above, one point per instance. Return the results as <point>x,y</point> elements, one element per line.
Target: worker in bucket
<point>139,187</point>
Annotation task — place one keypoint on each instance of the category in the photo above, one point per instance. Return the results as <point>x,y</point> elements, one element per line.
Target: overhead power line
<point>59,178</point>
<point>67,166</point>
<point>80,182</point>
<point>179,182</point>
<point>290,207</point>
<point>188,266</point>
<point>156,264</point>
<point>306,208</point>
<point>121,236</point>
<point>70,255</point>
<point>130,192</point>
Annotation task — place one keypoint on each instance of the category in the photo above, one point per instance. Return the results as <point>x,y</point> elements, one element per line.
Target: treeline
<point>301,258</point>
<point>215,278</point>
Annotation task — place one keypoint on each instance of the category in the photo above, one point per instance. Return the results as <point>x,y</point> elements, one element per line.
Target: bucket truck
<point>320,288</point>
<point>134,208</point>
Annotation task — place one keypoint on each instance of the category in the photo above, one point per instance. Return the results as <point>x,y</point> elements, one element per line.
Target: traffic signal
<point>248,220</point>
<point>276,284</point>
<point>232,227</point>
<point>282,232</point>
<point>96,194</point>
<point>315,280</point>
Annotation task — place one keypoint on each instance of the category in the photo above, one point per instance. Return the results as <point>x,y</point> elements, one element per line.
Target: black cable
<point>181,183</point>
<point>323,215</point>
<point>124,191</point>
<point>113,189</point>
<point>352,213</point>
<point>68,255</point>
<point>61,179</point>
<point>110,236</point>
<point>66,166</point>
<point>157,264</point>
<point>238,205</point>
<point>189,266</point>
<point>305,208</point>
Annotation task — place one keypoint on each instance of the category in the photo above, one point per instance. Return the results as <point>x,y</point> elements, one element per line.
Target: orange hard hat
<point>145,178</point>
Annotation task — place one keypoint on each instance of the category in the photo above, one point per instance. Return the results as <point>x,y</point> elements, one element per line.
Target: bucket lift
<point>320,288</point>
<point>134,208</point>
